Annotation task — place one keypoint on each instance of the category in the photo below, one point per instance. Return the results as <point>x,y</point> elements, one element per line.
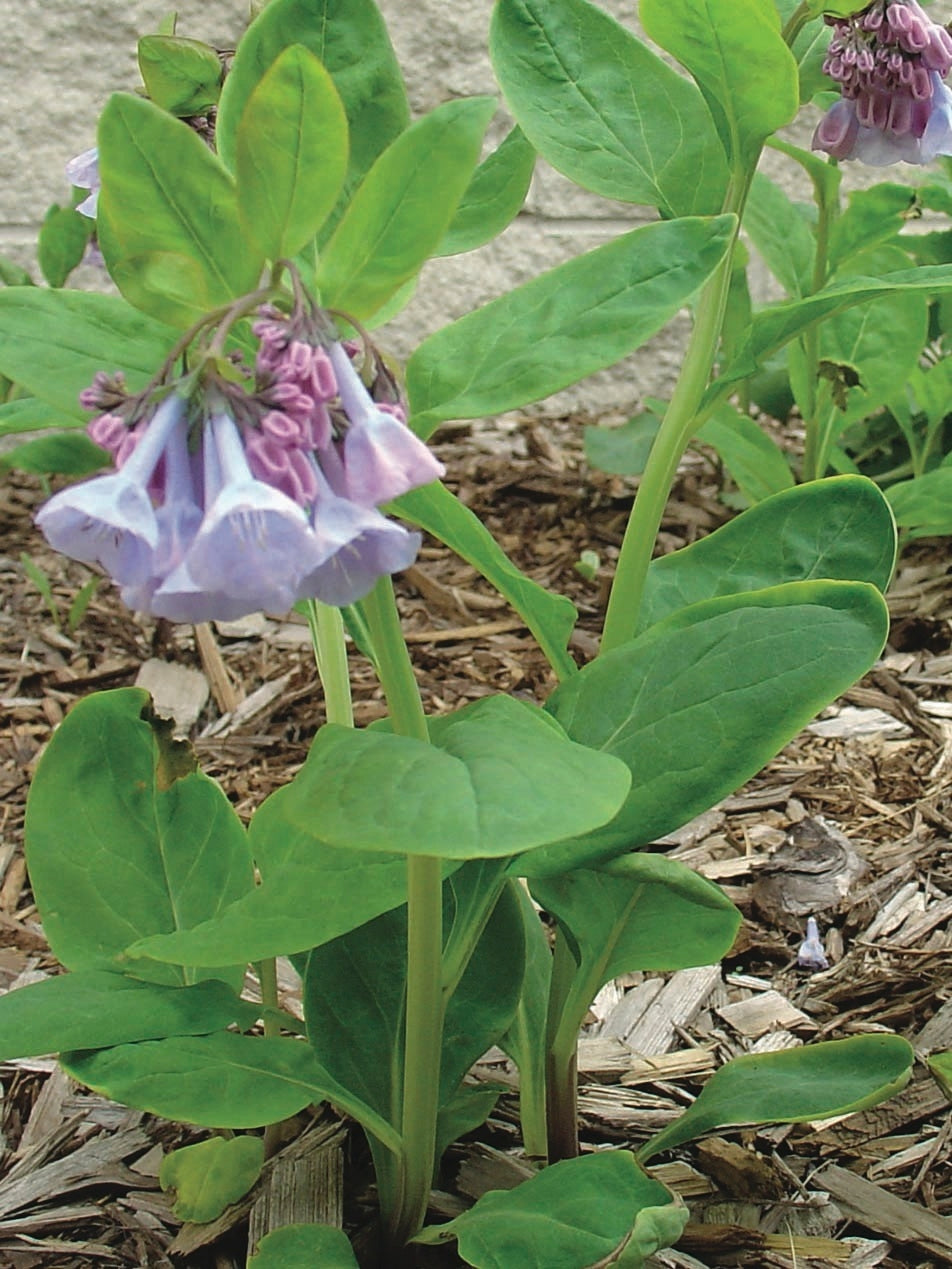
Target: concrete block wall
<point>60,60</point>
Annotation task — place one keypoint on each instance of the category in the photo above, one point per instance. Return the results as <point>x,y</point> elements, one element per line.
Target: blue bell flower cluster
<point>230,498</point>
<point>890,61</point>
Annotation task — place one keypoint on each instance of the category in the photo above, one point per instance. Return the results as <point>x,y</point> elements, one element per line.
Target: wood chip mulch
<point>851,824</point>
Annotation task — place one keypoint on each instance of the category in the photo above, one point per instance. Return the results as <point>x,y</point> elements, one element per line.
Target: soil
<point>850,823</point>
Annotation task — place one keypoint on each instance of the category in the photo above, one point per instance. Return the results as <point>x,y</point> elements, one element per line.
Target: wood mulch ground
<point>851,823</point>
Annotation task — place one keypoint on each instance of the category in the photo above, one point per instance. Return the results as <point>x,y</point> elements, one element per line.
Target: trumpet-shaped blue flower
<point>111,520</point>
<point>889,61</point>
<point>83,172</point>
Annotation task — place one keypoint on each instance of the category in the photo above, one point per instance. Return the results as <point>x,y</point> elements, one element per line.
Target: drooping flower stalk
<point>248,490</point>
<point>889,61</point>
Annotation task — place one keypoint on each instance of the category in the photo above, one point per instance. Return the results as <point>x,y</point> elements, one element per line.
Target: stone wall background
<point>60,60</point>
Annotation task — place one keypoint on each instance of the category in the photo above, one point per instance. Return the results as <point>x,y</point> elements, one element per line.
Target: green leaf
<point>735,52</point>
<point>757,463</point>
<point>622,451</point>
<point>781,231</point>
<point>69,454</point>
<point>601,1209</point>
<point>279,917</point>
<point>837,528</point>
<point>361,1043</point>
<point>303,1247</point>
<point>165,194</point>
<point>497,779</point>
<point>882,340</point>
<point>524,1039</point>
<point>940,1064</point>
<point>290,154</point>
<point>779,323</point>
<point>119,848</point>
<point>210,1175</point>
<point>53,342</point>
<point>604,109</point>
<point>923,506</point>
<point>638,912</point>
<point>815,1081</point>
<point>349,38</point>
<point>872,216</point>
<point>181,76</point>
<point>92,1009</point>
<point>216,1081</point>
<point>62,243</point>
<point>698,703</point>
<point>403,207</point>
<point>565,324</point>
<point>12,274</point>
<point>549,616</point>
<point>493,197</point>
<point>28,414</point>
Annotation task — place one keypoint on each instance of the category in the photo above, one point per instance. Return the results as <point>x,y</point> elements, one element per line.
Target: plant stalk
<point>424,1002</point>
<point>330,653</point>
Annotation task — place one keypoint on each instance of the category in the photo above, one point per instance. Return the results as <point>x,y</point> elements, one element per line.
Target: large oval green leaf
<point>218,1081</point>
<point>402,208</point>
<point>565,324</point>
<point>493,197</point>
<point>497,779</point>
<point>92,1009</point>
<point>349,38</point>
<point>604,109</point>
<point>736,54</point>
<point>840,528</point>
<point>164,193</point>
<point>290,154</point>
<point>53,342</point>
<point>121,842</point>
<point>697,704</point>
<point>601,1209</point>
<point>812,1082</point>
<point>639,912</point>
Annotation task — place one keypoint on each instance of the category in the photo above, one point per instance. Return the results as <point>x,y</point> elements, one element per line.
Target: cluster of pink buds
<point>889,61</point>
<point>240,498</point>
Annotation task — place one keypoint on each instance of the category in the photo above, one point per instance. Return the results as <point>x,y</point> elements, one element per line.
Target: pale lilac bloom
<point>110,520</point>
<point>360,544</point>
<point>83,172</point>
<point>178,518</point>
<point>812,954</point>
<point>889,60</point>
<point>383,458</point>
<point>255,543</point>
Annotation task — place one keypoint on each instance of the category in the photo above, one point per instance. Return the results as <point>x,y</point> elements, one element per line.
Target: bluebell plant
<point>263,454</point>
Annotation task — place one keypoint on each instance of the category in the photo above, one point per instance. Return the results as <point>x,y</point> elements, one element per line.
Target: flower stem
<point>330,653</point>
<point>676,430</point>
<point>424,1003</point>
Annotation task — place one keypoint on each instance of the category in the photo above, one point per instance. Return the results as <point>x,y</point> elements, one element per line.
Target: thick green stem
<point>677,428</point>
<point>796,22</point>
<point>268,979</point>
<point>561,1068</point>
<point>330,653</point>
<point>814,459</point>
<point>424,1003</point>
